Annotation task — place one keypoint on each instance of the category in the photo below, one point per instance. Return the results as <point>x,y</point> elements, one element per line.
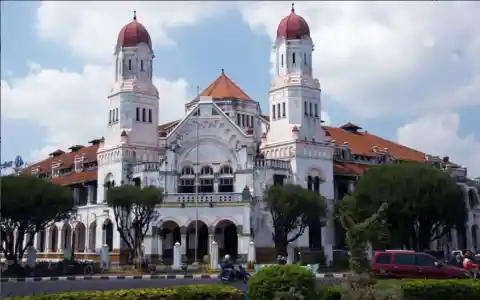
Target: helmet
<point>227,257</point>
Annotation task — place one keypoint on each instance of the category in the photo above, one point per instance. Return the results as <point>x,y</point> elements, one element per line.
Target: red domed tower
<point>293,27</point>
<point>294,94</point>
<point>133,99</point>
<point>133,34</point>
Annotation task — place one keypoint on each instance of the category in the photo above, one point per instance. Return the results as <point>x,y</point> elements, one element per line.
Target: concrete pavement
<point>11,289</point>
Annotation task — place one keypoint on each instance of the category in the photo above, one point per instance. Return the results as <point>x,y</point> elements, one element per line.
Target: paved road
<point>47,287</point>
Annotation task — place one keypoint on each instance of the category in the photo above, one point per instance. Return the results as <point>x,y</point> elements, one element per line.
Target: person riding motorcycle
<point>470,265</point>
<point>228,268</point>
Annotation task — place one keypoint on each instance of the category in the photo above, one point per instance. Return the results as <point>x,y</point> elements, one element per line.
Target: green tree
<point>28,206</point>
<point>133,209</point>
<point>424,203</point>
<point>292,208</point>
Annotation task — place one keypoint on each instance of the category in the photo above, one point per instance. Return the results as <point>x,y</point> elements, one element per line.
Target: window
<point>149,116</point>
<point>425,260</point>
<point>187,186</point>
<point>225,185</point>
<point>109,116</point>
<point>188,171</point>
<point>284,112</point>
<point>278,110</point>
<point>309,183</point>
<point>273,111</point>
<point>282,60</point>
<point>305,108</point>
<point>197,112</point>
<point>243,120</point>
<point>311,109</point>
<point>144,115</point>
<point>404,259</point>
<point>383,259</point>
<point>206,171</point>
<point>129,64</point>
<point>305,58</point>
<point>238,119</point>
<point>141,66</point>
<point>116,114</point>
<point>138,114</point>
<point>293,58</point>
<point>215,112</point>
<point>316,109</point>
<point>206,186</point>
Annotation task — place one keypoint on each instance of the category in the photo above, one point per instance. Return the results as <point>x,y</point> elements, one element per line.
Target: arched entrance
<point>80,236</point>
<point>202,240</point>
<point>66,236</point>
<point>171,235</point>
<point>92,236</point>
<point>41,241</point>
<point>227,239</point>
<point>462,237</point>
<point>474,237</point>
<point>108,234</point>
<point>53,242</point>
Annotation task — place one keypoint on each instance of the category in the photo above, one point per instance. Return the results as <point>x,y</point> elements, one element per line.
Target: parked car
<point>411,264</point>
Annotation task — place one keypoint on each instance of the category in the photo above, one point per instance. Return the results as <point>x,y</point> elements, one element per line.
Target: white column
<point>210,241</point>
<point>35,241</point>
<point>59,240</point>
<point>177,256</point>
<point>251,252</point>
<point>89,194</point>
<point>47,240</point>
<point>214,256</point>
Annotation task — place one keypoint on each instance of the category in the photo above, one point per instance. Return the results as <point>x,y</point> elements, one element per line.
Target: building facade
<point>215,162</point>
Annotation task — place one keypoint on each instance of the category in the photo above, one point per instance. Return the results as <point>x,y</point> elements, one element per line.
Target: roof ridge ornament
<point>293,8</point>
<point>134,15</point>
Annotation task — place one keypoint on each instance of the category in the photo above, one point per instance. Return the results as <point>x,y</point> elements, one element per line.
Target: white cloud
<point>437,134</point>
<point>325,118</point>
<point>89,29</point>
<point>391,58</point>
<point>71,106</point>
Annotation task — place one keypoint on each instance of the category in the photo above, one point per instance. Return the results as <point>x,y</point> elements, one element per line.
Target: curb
<point>141,277</point>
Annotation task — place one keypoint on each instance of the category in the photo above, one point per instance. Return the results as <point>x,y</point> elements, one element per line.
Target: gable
<point>212,124</point>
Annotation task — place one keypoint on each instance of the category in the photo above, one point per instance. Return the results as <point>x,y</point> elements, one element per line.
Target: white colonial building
<point>215,162</point>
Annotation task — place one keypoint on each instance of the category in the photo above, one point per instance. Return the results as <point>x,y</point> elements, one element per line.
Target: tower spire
<point>135,15</point>
<point>293,7</point>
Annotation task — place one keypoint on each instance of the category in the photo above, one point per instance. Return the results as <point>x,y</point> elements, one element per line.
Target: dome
<point>293,27</point>
<point>133,34</point>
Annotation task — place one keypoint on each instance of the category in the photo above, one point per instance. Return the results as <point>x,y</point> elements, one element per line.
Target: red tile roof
<point>224,88</point>
<point>66,161</point>
<point>362,143</point>
<point>342,168</point>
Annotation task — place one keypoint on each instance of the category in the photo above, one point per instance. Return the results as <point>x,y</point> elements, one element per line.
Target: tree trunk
<point>281,242</point>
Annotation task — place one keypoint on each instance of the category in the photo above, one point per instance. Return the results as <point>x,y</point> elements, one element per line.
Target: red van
<point>411,264</point>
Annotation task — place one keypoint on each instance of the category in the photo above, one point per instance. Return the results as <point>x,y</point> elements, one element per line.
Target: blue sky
<point>368,81</point>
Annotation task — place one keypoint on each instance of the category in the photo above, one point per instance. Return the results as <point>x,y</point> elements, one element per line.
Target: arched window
<point>144,115</point>
<point>225,184</point>
<point>309,183</point>
<point>187,181</point>
<point>206,180</point>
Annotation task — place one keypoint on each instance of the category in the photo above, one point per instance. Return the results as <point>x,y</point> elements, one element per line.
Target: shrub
<point>271,280</point>
<point>441,289</point>
<point>190,292</point>
<point>330,293</point>
<point>414,290</point>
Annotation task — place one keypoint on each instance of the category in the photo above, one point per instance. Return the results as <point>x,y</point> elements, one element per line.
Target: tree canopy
<point>292,208</point>
<point>29,205</point>
<point>133,209</point>
<point>424,203</point>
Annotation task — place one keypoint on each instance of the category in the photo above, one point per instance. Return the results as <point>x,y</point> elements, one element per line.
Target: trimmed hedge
<point>269,281</point>
<point>188,292</point>
<point>454,289</point>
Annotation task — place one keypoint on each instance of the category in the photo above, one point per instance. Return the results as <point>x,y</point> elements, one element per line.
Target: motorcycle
<point>228,274</point>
